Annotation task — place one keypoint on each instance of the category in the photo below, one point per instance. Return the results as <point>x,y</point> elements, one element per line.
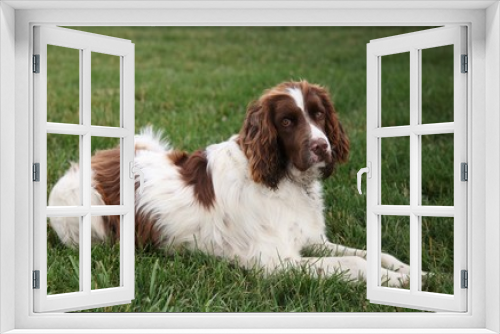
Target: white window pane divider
<point>127,236</point>
<point>407,210</point>
<point>415,170</point>
<point>93,130</point>
<point>86,179</point>
<point>86,297</point>
<point>422,129</point>
<point>414,43</point>
<point>76,211</point>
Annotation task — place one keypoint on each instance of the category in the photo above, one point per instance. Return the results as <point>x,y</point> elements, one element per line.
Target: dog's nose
<point>319,146</point>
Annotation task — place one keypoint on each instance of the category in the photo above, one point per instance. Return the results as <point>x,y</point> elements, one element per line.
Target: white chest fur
<point>261,222</point>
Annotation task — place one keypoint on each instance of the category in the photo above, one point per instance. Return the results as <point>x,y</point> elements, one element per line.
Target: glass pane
<point>395,89</point>
<point>63,154</point>
<point>437,84</point>
<point>63,85</point>
<point>395,171</point>
<point>106,170</point>
<point>437,254</point>
<point>105,90</point>
<point>437,170</point>
<point>106,254</point>
<point>63,265</point>
<point>395,240</point>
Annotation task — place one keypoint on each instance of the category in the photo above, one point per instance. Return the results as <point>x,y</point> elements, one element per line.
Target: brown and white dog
<point>255,198</point>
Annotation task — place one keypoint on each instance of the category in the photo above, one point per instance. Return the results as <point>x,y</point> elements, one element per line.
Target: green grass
<point>195,84</point>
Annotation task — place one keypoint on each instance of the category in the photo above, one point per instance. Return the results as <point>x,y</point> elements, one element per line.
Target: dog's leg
<point>387,261</point>
<point>352,267</point>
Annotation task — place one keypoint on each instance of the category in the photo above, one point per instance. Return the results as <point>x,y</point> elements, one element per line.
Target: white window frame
<point>414,44</point>
<point>85,43</point>
<point>483,20</point>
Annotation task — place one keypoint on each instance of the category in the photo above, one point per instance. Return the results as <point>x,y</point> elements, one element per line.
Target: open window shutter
<point>416,44</point>
<point>86,294</point>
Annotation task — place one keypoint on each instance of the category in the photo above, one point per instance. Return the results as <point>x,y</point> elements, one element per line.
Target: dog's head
<point>292,128</point>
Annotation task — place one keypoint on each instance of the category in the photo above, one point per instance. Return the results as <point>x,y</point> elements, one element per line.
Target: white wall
<point>492,166</point>
<point>7,162</point>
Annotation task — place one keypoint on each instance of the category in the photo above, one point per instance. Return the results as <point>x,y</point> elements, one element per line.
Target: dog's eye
<point>319,115</point>
<point>286,122</point>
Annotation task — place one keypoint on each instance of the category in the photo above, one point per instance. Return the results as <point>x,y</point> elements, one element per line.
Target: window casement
<point>480,100</point>
<point>86,129</point>
<point>378,205</point>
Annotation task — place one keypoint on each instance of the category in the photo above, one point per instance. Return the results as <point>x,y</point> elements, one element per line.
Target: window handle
<point>368,171</point>
<point>134,170</point>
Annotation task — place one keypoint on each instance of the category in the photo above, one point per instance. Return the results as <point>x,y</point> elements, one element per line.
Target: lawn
<point>194,83</point>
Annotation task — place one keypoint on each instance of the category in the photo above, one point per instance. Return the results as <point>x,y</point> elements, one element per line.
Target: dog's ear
<point>334,130</point>
<point>259,141</point>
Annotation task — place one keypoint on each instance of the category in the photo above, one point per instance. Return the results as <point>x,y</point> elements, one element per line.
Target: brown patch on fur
<point>178,157</point>
<point>194,171</point>
<point>146,231</point>
<point>106,174</point>
<point>112,224</point>
<point>259,141</point>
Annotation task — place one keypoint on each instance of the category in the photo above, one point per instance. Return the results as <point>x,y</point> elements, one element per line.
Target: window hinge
<point>465,279</point>
<point>465,64</point>
<point>36,63</point>
<point>36,279</point>
<point>36,172</point>
<point>464,172</point>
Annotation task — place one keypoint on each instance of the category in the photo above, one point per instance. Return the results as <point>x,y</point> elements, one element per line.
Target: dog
<point>255,199</point>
